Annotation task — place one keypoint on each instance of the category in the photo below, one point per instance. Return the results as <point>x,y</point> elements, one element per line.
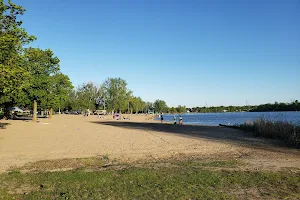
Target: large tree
<point>13,76</point>
<point>117,94</point>
<point>160,106</point>
<point>47,84</point>
<point>60,88</point>
<point>136,104</point>
<point>181,109</point>
<point>87,94</point>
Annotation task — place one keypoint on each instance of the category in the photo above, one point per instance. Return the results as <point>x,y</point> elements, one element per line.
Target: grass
<point>278,130</point>
<point>179,180</point>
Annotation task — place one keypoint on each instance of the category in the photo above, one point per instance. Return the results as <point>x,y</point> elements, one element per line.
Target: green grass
<point>178,180</point>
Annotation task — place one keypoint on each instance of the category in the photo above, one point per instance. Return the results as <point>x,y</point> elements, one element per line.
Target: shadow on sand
<point>216,133</point>
<point>3,125</point>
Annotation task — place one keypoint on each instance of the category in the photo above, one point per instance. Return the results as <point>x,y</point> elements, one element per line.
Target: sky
<point>187,52</point>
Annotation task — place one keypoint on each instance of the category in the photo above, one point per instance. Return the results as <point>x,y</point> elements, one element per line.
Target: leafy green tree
<point>13,76</point>
<point>136,103</point>
<point>117,94</point>
<point>60,89</point>
<point>147,106</point>
<point>160,105</point>
<point>45,86</point>
<point>181,109</point>
<point>173,110</point>
<point>86,95</point>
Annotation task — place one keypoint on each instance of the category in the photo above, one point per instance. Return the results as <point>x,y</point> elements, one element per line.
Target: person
<point>174,118</point>
<point>161,117</point>
<point>180,120</point>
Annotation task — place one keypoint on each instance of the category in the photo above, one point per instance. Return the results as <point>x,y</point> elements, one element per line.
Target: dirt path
<point>70,136</point>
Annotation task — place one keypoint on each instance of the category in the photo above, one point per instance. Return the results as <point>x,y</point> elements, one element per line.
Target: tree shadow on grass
<point>216,133</point>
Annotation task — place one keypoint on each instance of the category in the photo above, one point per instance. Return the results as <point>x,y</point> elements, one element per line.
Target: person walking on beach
<point>174,119</point>
<point>180,120</point>
<point>161,117</point>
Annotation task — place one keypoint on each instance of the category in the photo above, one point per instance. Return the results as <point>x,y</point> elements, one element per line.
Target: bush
<point>274,129</point>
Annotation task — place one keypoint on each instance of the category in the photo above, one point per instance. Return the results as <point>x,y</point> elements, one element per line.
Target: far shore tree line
<point>292,106</point>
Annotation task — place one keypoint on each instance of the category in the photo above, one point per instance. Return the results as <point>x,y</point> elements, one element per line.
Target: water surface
<point>234,118</point>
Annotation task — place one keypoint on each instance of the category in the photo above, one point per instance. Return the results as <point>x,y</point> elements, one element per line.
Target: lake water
<point>234,118</point>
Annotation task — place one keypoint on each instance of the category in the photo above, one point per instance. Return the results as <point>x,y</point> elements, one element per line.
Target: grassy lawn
<point>169,180</point>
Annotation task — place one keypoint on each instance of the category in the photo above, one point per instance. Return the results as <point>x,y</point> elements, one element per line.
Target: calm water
<point>234,118</point>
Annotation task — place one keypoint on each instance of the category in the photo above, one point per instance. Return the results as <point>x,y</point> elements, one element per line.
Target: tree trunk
<point>34,119</point>
<point>51,111</point>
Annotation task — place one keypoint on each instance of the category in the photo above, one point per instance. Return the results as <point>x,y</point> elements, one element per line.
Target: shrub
<point>274,129</point>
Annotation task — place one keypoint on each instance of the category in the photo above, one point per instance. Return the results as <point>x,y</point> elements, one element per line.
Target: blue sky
<point>184,52</point>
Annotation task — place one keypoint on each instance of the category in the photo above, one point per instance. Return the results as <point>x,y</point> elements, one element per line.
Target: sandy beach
<point>74,136</point>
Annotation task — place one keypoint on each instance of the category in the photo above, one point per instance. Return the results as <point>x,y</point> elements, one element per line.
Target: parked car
<point>15,109</point>
<point>75,112</point>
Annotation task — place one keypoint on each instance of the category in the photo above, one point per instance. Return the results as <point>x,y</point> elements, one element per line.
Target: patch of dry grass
<point>274,129</point>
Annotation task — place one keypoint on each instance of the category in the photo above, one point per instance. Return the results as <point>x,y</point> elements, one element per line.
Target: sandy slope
<point>70,136</point>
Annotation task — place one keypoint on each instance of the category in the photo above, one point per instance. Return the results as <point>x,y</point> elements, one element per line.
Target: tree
<point>84,97</point>
<point>181,109</point>
<point>147,106</point>
<point>13,76</point>
<point>60,89</point>
<point>160,105</point>
<point>116,94</point>
<point>136,103</point>
<point>48,85</point>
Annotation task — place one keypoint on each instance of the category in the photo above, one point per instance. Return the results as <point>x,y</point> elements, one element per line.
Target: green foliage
<point>181,109</point>
<point>27,74</point>
<point>160,106</point>
<point>84,97</point>
<point>13,76</point>
<point>293,106</point>
<point>136,104</point>
<point>116,94</point>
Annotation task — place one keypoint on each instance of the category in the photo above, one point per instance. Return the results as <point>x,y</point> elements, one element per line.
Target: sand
<point>74,136</point>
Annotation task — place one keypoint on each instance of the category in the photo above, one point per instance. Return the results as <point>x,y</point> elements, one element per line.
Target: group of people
<point>174,118</point>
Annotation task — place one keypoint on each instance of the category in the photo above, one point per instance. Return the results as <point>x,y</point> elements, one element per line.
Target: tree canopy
<point>160,106</point>
<point>27,73</point>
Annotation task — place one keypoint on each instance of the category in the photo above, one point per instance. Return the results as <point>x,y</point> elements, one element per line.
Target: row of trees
<point>113,95</point>
<point>214,109</point>
<point>27,74</point>
<point>293,106</point>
